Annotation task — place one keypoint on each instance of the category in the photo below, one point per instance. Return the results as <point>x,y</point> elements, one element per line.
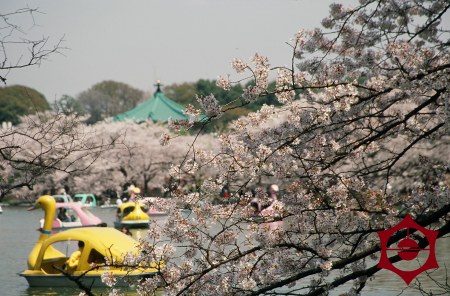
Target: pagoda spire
<point>158,87</point>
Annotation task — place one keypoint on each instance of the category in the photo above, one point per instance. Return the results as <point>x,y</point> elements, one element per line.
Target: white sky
<point>139,41</point>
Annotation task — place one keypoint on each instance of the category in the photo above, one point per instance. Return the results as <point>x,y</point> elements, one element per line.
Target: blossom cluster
<point>210,105</point>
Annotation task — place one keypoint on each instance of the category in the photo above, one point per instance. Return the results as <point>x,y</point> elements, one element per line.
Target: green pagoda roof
<point>159,108</point>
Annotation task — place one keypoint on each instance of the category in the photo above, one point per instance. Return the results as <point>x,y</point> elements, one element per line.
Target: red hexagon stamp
<point>408,248</point>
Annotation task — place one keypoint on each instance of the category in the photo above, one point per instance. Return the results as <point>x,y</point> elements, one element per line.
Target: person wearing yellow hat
<point>72,263</point>
<point>133,192</point>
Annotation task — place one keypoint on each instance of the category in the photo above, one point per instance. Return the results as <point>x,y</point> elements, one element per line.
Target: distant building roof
<point>159,108</point>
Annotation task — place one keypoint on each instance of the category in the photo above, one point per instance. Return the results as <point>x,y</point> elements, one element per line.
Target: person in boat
<point>126,230</point>
<point>258,205</point>
<point>273,191</point>
<point>255,203</point>
<point>133,192</point>
<point>267,208</point>
<point>72,262</point>
<point>62,215</point>
<point>255,206</point>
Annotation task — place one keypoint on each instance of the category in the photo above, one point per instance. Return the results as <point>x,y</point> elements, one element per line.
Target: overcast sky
<point>139,41</point>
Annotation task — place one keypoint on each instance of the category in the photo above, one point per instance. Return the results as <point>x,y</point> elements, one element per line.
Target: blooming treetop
<point>136,157</point>
<point>44,145</point>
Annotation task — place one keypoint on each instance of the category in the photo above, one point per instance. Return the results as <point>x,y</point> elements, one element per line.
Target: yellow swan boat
<point>132,214</point>
<point>48,260</point>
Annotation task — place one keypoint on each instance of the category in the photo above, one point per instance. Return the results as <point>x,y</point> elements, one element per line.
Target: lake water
<point>18,236</point>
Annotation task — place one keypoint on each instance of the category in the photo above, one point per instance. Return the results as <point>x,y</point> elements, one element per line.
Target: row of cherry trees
<point>362,136</point>
<point>43,145</point>
<point>63,152</point>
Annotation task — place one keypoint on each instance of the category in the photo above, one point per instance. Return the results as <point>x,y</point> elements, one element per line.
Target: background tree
<point>17,100</point>
<point>109,98</point>
<point>183,93</point>
<point>362,99</point>
<point>69,105</point>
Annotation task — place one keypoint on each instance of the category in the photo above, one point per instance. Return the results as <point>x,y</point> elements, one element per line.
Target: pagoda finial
<point>158,87</point>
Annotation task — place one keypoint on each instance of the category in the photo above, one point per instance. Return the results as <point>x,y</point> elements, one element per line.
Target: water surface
<point>18,235</point>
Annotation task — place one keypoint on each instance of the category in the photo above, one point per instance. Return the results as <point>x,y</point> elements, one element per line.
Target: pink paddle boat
<point>151,206</point>
<point>72,215</point>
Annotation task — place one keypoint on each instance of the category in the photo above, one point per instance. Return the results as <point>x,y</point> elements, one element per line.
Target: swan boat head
<point>48,204</point>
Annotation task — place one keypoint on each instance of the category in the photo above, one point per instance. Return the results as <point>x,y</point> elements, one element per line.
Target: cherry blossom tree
<point>108,98</point>
<point>365,100</point>
<point>137,158</point>
<point>46,145</point>
<point>43,143</point>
